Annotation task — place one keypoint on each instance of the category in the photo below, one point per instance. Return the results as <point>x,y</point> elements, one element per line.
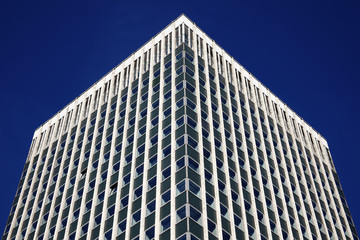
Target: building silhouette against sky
<point>179,141</point>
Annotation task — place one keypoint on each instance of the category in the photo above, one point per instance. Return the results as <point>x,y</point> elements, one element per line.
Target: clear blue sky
<point>306,52</point>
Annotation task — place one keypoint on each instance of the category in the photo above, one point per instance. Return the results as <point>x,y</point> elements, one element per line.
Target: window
<point>103,176</point>
<point>236,125</point>
<point>144,97</point>
<point>223,210</point>
<point>63,223</point>
<point>221,185</point>
<point>165,197</point>
<point>75,216</point>
<point>150,233</point>
<point>180,103</point>
<point>211,226</point>
<point>165,224</point>
<point>194,188</point>
<point>216,124</point>
<point>180,121</point>
<point>128,158</point>
<point>208,175</point>
<point>155,121</point>
<point>111,211</point>
<point>206,153</point>
<point>237,220</point>
<point>195,214</point>
<point>97,220</point>
<point>155,104</point>
<point>219,163</point>
<point>167,131</point>
<point>180,187</point>
<point>101,197</point>
<point>227,133</point>
<point>202,82</point>
<point>113,188</point>
<point>192,142</point>
<point>107,156</point>
<point>190,87</point>
<point>80,193</point>
<point>212,91</point>
<point>205,133</point>
<point>191,122</point>
<point>122,227</point>
<point>167,79</point>
<point>180,55</point>
<point>126,179</point>
<point>151,207</point>
<point>234,196</point>
<point>189,71</point>
<point>154,140</point>
<point>189,57</point>
<point>202,97</point>
<point>72,181</point>
<point>167,112</point>
<point>122,113</point>
<point>223,100</point>
<point>145,82</point>
<point>272,225</point>
<point>130,139</point>
<point>156,88</point>
<point>226,236</point>
<point>181,213</point>
<point>101,129</point>
<point>179,71</point>
<point>229,153</point>
<point>194,165</point>
<point>71,237</point>
<point>68,200</point>
<point>152,182</point>
<point>191,104</point>
<point>134,90</point>
<point>116,167</point>
<point>157,73</point>
<point>168,64</point>
<point>167,95</point>
<point>139,170</point>
<point>217,143</point>
<point>167,151</point>
<point>108,235</point>
<point>142,130</point>
<point>111,121</point>
<point>124,202</point>
<point>180,141</point>
<point>166,173</point>
<point>84,229</point>
<point>247,205</point>
<point>136,217</point>
<point>120,129</point>
<point>137,192</point>
<point>143,113</point>
<point>88,205</point>
<point>153,160</point>
<point>180,163</point>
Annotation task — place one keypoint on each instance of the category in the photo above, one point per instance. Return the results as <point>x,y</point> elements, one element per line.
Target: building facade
<point>179,141</point>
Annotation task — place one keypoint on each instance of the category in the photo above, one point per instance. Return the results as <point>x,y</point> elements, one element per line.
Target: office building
<point>179,141</point>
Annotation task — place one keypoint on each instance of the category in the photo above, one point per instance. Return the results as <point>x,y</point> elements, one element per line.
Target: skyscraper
<point>179,141</point>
